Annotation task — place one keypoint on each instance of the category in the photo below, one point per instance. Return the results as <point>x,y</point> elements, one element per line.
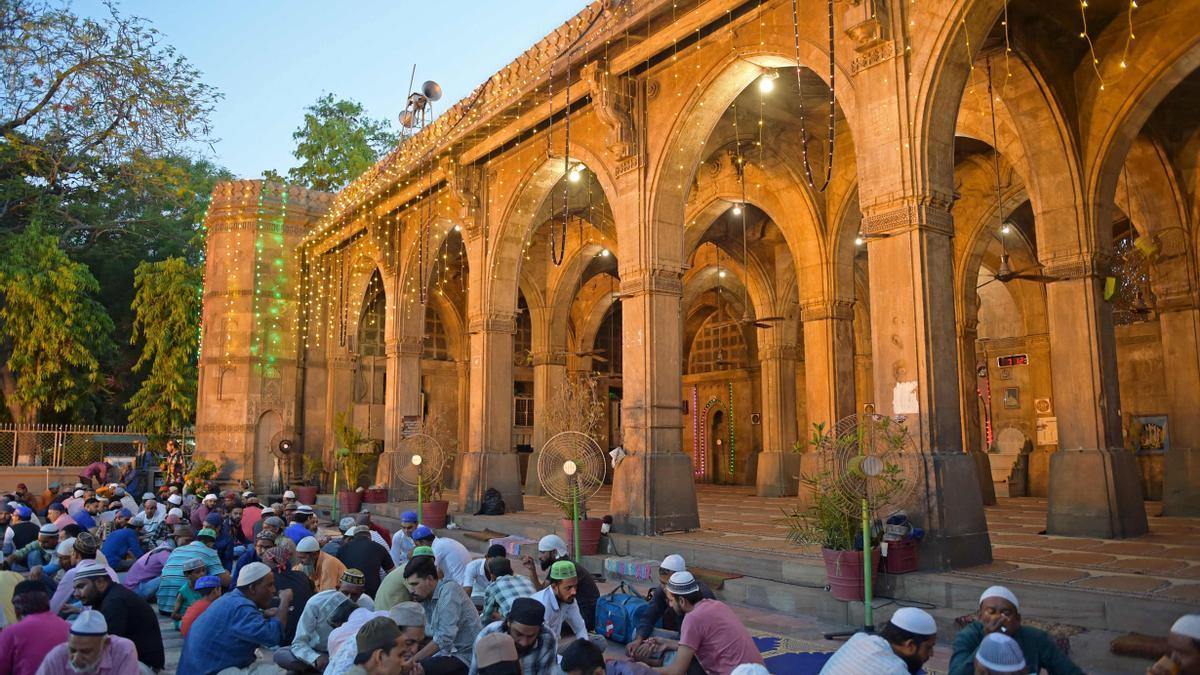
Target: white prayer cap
<point>64,547</point>
<point>79,493</point>
<point>251,573</point>
<point>1000,654</point>
<point>674,563</point>
<point>682,583</point>
<point>209,496</point>
<point>914,620</point>
<point>304,508</point>
<point>1188,625</point>
<point>1002,593</point>
<point>47,529</point>
<point>289,495</point>
<point>308,545</point>
<point>552,542</point>
<point>751,669</point>
<point>175,511</point>
<point>78,485</point>
<point>175,499</point>
<point>408,614</point>
<point>346,523</point>
<point>147,496</point>
<point>89,622</point>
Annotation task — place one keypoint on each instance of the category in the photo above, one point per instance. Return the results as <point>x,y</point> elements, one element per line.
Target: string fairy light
<point>808,173</point>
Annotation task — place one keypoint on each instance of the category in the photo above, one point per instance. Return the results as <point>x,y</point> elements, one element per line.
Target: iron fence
<point>69,445</point>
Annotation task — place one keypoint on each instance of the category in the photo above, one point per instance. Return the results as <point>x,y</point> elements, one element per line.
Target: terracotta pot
<point>349,501</point>
<point>589,535</point>
<point>845,572</point>
<point>375,496</point>
<point>306,494</point>
<point>433,514</point>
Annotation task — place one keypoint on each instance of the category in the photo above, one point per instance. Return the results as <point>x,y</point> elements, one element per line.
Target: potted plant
<point>309,482</point>
<point>589,529</point>
<point>352,462</point>
<point>198,481</point>
<point>434,509</point>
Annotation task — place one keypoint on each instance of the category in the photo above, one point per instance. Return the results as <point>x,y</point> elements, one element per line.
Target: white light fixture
<point>721,274</point>
<point>1006,229</point>
<point>575,173</point>
<point>569,468</point>
<point>737,209</point>
<point>766,83</point>
<point>603,253</point>
<point>416,460</point>
<point>458,228</point>
<point>858,241</point>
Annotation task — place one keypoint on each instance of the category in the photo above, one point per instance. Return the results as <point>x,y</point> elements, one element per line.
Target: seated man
<point>146,572</point>
<point>903,645</point>
<point>209,588</point>
<point>559,600</point>
<point>40,551</point>
<point>124,612</point>
<point>408,616</point>
<point>659,608</point>
<point>536,647</point>
<point>122,541</point>
<point>228,633</point>
<point>90,649</point>
<point>581,657</point>
<point>384,648</point>
<point>1000,612</point>
<point>323,612</point>
<point>505,587</point>
<point>451,556</point>
<point>402,542</point>
<point>452,620</point>
<point>475,579</point>
<point>998,654</point>
<point>496,654</point>
<point>712,634</point>
<point>1184,645</point>
<point>322,569</point>
<point>552,548</point>
<point>25,644</point>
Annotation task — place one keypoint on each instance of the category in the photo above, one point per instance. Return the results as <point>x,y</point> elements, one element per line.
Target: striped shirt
<point>172,572</point>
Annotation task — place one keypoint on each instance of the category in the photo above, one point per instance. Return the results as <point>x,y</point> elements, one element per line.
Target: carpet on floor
<point>791,656</point>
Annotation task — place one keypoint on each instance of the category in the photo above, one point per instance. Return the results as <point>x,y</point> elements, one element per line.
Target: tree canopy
<point>337,142</point>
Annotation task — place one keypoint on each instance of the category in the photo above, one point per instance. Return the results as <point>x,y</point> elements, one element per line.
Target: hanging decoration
<point>696,433</point>
<point>832,98</point>
<point>732,439</point>
<point>558,243</point>
<point>702,472</point>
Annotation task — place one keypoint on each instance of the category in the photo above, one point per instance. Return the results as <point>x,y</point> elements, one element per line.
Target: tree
<point>54,331</point>
<point>167,307</point>
<point>336,143</point>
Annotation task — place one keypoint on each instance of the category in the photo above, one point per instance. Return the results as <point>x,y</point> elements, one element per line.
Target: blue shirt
<point>248,556</point>
<point>118,543</point>
<point>226,634</point>
<point>172,571</point>
<point>296,532</point>
<point>85,520</point>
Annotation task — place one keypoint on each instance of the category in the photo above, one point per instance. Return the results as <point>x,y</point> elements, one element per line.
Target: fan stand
<point>868,610</point>
<point>569,468</point>
<point>416,460</point>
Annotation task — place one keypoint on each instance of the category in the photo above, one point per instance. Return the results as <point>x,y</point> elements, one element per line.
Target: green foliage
<point>196,481</point>
<point>54,330</point>
<point>167,307</point>
<point>352,460</point>
<point>336,143</point>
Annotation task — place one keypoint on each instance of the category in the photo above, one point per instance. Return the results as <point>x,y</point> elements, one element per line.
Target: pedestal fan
<point>424,465</point>
<point>571,469</point>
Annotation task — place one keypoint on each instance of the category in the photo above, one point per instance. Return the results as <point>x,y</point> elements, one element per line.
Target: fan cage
<point>579,448</point>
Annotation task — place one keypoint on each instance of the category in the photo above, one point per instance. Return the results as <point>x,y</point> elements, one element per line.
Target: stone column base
<point>1181,482</point>
<point>655,492</point>
<point>533,486</point>
<point>1095,493</point>
<point>777,474</point>
<point>957,527</point>
<point>983,472</point>
<point>483,470</point>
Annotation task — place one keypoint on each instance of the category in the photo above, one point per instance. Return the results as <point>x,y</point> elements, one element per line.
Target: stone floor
<point>1164,563</point>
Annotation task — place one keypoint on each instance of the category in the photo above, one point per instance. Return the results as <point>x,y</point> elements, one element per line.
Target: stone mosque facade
<point>991,233</point>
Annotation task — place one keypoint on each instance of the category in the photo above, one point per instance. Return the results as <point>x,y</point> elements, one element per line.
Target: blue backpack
<point>618,614</point>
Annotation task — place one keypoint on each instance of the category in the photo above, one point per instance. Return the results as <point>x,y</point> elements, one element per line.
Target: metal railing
<point>67,445</point>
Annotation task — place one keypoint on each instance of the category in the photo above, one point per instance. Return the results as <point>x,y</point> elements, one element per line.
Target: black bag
<point>492,504</point>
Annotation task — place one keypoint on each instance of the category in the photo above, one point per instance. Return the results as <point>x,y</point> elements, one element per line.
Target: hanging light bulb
<point>458,228</point>
<point>604,253</point>
<point>576,173</point>
<point>766,83</point>
<point>721,274</point>
<point>737,209</point>
<point>858,241</point>
<point>1006,229</point>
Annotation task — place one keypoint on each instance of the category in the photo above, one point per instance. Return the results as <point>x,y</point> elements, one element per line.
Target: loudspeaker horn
<point>432,90</point>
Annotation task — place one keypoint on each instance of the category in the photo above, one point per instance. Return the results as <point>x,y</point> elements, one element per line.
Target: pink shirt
<point>24,644</point>
<point>720,641</point>
<point>120,658</point>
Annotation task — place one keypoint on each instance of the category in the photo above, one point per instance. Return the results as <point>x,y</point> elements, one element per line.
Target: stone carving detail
<point>613,100</point>
<point>408,345</point>
<point>928,212</point>
<point>551,358</point>
<point>873,56</point>
<point>465,182</point>
<point>1065,266</point>
<point>492,322</point>
<point>657,280</point>
<point>819,310</point>
<point>779,352</point>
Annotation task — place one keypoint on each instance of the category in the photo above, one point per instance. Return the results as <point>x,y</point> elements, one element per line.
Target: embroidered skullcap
<point>1002,593</point>
<point>64,547</point>
<point>48,529</point>
<point>89,622</point>
<point>682,583</point>
<point>277,558</point>
<point>308,545</point>
<point>208,581</point>
<point>304,508</point>
<point>563,569</point>
<point>193,564</point>
<point>914,620</point>
<point>86,544</point>
<point>422,550</point>
<point>495,648</point>
<point>90,571</point>
<point>496,551</point>
<point>1000,654</point>
<point>354,576</point>
<point>288,494</point>
<point>527,611</point>
<point>1188,625</point>
<point>251,573</point>
<point>408,517</point>
<point>346,523</point>
<point>673,563</point>
<point>78,493</point>
<point>264,535</point>
<point>552,542</point>
<point>410,614</point>
<point>421,533</point>
<point>175,499</point>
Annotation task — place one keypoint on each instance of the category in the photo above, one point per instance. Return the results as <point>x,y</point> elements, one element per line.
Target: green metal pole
<point>866,532</point>
<point>420,510</point>
<point>334,511</point>
<point>575,517</point>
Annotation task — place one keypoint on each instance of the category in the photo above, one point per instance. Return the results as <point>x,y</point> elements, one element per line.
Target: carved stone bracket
<point>1075,265</point>
<point>779,352</point>
<point>408,345</point>
<point>873,56</point>
<point>925,212</point>
<point>492,322</point>
<point>613,98</point>
<point>819,310</point>
<point>656,280</point>
<point>465,182</point>
<point>550,358</point>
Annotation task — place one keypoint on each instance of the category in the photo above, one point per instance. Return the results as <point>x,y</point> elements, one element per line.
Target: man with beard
<point>279,560</point>
<point>386,645</point>
<point>322,569</point>
<point>659,611</point>
<point>452,619</point>
<point>21,529</point>
<point>125,613</point>
<point>711,634</point>
<point>263,541</point>
<point>402,541</point>
<point>559,600</point>
<point>999,612</point>
<point>85,552</point>
<point>323,612</point>
<point>551,549</point>
<point>903,645</point>
<point>37,552</point>
<point>90,649</point>
<point>122,541</point>
<point>1183,648</point>
<point>451,556</point>
<point>537,647</point>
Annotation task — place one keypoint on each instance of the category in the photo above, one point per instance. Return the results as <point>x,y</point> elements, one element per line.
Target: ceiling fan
<point>1006,274</point>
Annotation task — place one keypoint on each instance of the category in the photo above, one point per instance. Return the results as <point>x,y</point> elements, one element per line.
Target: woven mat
<point>483,536</point>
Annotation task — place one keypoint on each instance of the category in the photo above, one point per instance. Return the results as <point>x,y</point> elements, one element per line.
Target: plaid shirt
<point>500,595</point>
<point>541,660</point>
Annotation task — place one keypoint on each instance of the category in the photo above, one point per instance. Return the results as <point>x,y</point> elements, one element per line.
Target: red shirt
<point>26,643</point>
<point>193,612</point>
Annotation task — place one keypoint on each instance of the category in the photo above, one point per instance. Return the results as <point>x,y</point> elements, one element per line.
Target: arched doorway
<point>267,433</point>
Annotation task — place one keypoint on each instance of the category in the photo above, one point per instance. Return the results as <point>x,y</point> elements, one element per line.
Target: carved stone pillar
<point>490,461</point>
<point>968,333</point>
<point>1179,320</point>
<point>653,489</point>
<point>402,398</point>
<point>549,375</point>
<point>1094,485</point>
<point>828,360</point>
<point>463,370</point>
<point>914,348</point>
<point>778,465</point>
<point>339,397</point>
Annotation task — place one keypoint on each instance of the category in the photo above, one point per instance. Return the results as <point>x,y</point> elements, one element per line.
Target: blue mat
<point>786,656</point>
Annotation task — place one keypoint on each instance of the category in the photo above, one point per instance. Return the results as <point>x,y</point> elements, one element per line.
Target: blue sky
<point>272,58</point>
